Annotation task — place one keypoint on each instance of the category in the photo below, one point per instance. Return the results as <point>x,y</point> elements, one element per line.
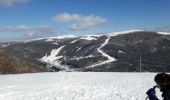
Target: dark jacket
<point>166,93</point>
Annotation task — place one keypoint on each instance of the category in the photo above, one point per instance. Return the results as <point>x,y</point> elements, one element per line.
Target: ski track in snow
<point>79,49</point>
<point>74,41</point>
<point>110,59</point>
<point>79,58</point>
<point>76,86</point>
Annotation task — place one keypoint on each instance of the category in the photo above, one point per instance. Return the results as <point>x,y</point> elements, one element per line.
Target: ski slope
<point>76,86</point>
<point>53,56</point>
<point>110,59</point>
<point>53,59</point>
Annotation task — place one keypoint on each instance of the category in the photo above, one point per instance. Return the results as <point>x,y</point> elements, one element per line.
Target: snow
<point>66,36</point>
<point>61,37</point>
<point>93,35</point>
<point>79,58</point>
<point>76,86</point>
<point>132,31</point>
<point>121,51</point>
<point>89,38</point>
<point>56,43</point>
<point>53,56</point>
<point>79,49</point>
<point>49,40</point>
<point>53,59</point>
<point>74,41</point>
<point>164,33</point>
<point>124,32</point>
<point>31,40</point>
<point>110,59</point>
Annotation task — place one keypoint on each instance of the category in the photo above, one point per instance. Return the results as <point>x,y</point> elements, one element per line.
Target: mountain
<point>117,51</point>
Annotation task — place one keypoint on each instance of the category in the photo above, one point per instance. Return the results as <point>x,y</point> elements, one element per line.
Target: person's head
<point>162,80</point>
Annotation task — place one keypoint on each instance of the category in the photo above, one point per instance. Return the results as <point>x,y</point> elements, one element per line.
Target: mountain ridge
<point>109,52</point>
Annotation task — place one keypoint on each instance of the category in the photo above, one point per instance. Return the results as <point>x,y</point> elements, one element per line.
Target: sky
<point>27,19</point>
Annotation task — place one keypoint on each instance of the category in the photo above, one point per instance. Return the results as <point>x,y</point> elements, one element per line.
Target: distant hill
<point>118,51</point>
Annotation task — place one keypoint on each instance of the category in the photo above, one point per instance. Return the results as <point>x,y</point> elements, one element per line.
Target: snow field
<point>76,86</point>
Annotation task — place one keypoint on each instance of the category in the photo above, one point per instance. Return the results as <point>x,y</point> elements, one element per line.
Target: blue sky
<point>24,19</point>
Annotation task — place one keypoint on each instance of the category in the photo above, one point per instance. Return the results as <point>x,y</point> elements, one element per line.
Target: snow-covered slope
<point>110,59</point>
<point>53,56</point>
<point>124,32</point>
<point>164,33</point>
<point>76,86</point>
<point>132,31</point>
<point>53,59</point>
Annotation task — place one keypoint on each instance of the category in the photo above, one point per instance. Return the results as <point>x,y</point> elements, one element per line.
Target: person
<point>163,83</point>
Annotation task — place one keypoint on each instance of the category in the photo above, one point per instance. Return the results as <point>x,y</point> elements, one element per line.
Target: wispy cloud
<point>65,17</point>
<point>10,29</point>
<point>12,2</point>
<point>29,32</point>
<point>40,31</point>
<point>80,22</point>
<point>88,22</point>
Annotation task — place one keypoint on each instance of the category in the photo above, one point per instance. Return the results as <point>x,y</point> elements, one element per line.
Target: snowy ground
<point>76,86</point>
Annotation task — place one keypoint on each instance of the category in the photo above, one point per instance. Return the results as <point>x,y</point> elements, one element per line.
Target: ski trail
<point>53,59</point>
<point>53,56</point>
<point>110,59</point>
<point>80,58</point>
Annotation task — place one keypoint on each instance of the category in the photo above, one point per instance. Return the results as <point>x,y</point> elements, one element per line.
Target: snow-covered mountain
<point>117,51</point>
